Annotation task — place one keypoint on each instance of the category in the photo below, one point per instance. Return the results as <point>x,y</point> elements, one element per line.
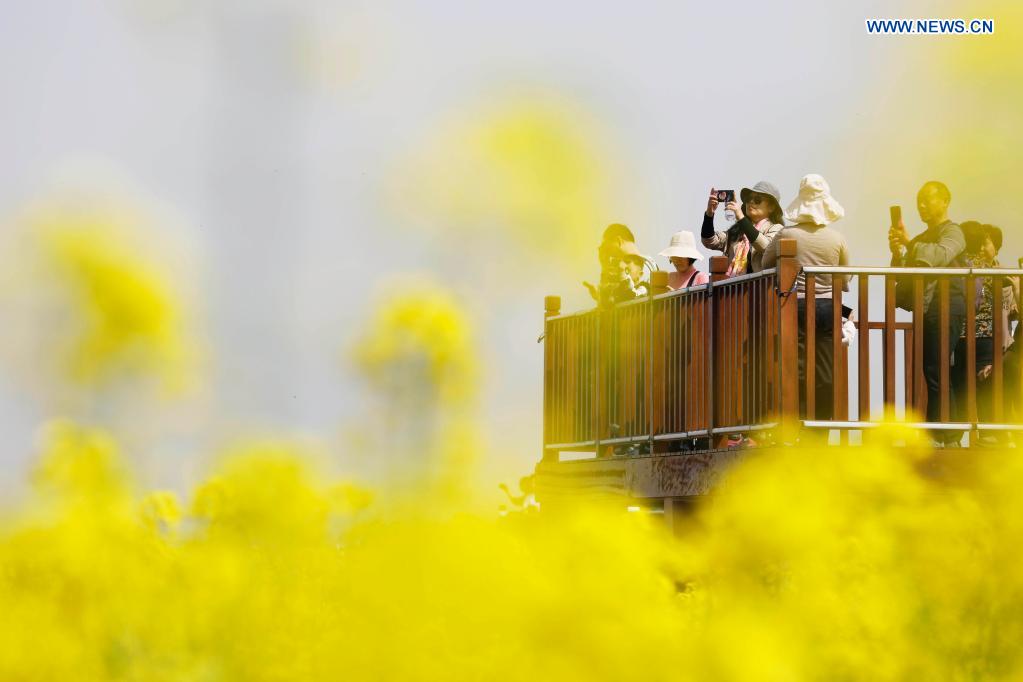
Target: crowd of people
<point>750,243</point>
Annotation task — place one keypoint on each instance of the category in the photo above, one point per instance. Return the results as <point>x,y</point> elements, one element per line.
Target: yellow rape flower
<point>97,305</point>
<point>531,172</point>
<point>419,343</point>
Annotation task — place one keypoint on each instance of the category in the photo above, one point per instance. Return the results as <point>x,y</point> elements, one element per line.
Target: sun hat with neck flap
<point>814,204</point>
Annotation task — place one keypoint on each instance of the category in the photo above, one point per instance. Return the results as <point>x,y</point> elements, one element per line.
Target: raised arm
<point>898,242</point>
<point>717,241</point>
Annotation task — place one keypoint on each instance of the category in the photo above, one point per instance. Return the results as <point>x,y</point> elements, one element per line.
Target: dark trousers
<point>824,359</point>
<point>985,344</point>
<point>1010,383</point>
<point>985,387</point>
<point>932,363</point>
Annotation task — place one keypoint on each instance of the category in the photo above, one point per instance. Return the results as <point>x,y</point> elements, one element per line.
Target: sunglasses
<point>757,199</point>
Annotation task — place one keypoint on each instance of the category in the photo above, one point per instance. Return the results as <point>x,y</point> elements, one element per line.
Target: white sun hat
<point>683,245</point>
<point>814,203</point>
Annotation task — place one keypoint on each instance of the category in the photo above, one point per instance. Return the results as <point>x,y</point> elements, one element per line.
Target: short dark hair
<point>996,235</point>
<point>974,234</point>
<point>618,231</point>
<point>941,188</point>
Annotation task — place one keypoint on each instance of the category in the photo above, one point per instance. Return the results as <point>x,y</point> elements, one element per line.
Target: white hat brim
<point>680,252</point>
<point>822,211</point>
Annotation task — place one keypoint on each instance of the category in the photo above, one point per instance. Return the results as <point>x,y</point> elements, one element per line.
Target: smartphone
<point>896,212</point>
<point>725,195</point>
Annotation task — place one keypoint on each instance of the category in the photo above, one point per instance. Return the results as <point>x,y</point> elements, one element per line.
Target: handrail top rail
<point>695,289</point>
<point>813,270</point>
<point>892,270</point>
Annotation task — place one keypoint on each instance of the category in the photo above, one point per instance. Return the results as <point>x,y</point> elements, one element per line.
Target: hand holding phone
<point>897,235</point>
<point>727,197</point>
<point>712,202</point>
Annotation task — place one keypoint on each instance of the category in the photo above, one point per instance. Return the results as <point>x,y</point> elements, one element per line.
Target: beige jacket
<point>720,241</point>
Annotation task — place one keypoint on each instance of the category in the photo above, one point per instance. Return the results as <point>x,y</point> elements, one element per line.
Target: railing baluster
<point>810,343</point>
<point>907,369</point>
<point>919,387</point>
<point>863,348</point>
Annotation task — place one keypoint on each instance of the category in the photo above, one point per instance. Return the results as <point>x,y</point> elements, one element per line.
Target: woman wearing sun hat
<point>817,243</point>
<point>682,254</point>
<point>758,220</point>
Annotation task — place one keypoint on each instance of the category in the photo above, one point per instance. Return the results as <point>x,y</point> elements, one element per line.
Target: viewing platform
<point>648,401</point>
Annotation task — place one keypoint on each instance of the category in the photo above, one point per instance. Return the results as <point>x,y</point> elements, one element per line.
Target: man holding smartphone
<point>940,245</point>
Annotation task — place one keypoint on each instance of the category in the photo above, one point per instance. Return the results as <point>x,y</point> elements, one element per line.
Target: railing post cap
<point>552,304</point>
<point>787,247</point>
<point>659,278</point>
<point>718,265</point>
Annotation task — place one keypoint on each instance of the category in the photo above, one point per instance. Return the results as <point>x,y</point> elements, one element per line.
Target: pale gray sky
<point>277,169</point>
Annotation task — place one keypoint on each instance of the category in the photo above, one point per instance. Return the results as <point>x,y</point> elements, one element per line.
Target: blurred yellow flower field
<point>320,149</point>
<point>845,564</point>
<point>854,563</point>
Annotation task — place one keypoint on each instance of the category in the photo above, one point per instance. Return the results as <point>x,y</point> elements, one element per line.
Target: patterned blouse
<point>983,295</point>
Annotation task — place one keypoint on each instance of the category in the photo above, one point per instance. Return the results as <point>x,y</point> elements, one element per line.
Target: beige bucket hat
<point>814,203</point>
<point>683,245</point>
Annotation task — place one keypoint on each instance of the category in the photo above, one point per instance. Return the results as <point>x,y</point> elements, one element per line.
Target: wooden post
<point>659,282</point>
<point>889,349</point>
<point>944,345</point>
<point>788,269</point>
<point>551,308</point>
<point>1017,398</point>
<point>863,348</point>
<point>717,344</point>
<point>657,361</point>
<point>810,341</point>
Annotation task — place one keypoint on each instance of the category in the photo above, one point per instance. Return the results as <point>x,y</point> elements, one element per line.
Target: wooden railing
<point>688,369</point>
